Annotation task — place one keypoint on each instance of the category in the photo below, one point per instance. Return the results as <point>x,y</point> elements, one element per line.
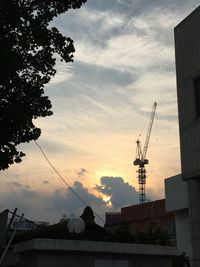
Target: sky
<point>124,61</point>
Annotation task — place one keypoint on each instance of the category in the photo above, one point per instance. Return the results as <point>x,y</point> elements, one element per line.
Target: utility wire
<point>55,170</point>
<point>24,219</point>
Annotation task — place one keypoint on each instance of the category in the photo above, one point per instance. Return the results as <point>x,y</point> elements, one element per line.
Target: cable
<point>25,219</point>
<point>145,125</point>
<point>72,190</point>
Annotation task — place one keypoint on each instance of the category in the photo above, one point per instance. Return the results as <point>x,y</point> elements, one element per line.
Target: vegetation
<point>181,261</point>
<point>154,235</point>
<point>95,232</point>
<point>27,60</point>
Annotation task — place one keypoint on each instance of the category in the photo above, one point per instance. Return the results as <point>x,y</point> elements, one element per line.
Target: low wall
<point>76,253</point>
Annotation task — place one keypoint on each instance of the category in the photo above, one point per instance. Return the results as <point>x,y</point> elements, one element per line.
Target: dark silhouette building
<point>187,51</point>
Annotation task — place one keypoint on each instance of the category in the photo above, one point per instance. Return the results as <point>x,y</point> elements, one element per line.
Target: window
<point>197,95</point>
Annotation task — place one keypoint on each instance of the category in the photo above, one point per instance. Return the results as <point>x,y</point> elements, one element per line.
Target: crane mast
<point>141,160</point>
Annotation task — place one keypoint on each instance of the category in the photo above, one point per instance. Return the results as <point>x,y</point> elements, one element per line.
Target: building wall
<point>183,232</point>
<point>176,195</point>
<point>76,253</point>
<point>45,259</point>
<point>187,48</point>
<point>112,218</point>
<point>187,51</point>
<point>166,224</point>
<point>141,217</point>
<point>194,219</point>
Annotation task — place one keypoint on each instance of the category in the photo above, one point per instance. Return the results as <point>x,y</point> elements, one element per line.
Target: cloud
<point>50,207</point>
<point>127,52</point>
<point>100,78</point>
<point>101,75</point>
<point>85,104</point>
<point>54,146</point>
<point>163,87</point>
<point>110,37</point>
<point>65,198</point>
<point>93,24</point>
<point>122,34</point>
<point>81,172</point>
<point>15,184</point>
<point>135,7</point>
<point>64,72</point>
<point>120,193</point>
<point>116,68</point>
<point>103,5</point>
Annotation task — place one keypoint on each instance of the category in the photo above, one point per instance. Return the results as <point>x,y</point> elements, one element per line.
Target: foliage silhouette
<point>27,60</point>
<point>97,233</point>
<point>181,261</point>
<point>154,235</point>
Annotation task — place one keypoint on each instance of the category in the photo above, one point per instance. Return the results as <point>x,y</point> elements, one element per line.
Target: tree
<point>27,60</point>
<point>181,261</point>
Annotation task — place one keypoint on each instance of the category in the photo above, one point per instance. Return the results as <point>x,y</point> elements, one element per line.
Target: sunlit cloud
<point>160,87</point>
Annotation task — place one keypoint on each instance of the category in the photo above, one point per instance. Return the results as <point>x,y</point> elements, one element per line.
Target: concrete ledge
<point>93,246</point>
<point>176,193</point>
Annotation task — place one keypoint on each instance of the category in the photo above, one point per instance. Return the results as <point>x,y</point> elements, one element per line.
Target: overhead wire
<point>24,219</point>
<point>64,181</point>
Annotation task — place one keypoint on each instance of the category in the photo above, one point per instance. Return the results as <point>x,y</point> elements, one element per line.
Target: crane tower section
<point>141,159</point>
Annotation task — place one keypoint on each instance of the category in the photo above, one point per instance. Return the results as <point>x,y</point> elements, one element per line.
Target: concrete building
<point>176,194</point>
<point>76,253</point>
<point>40,249</point>
<point>187,51</point>
<point>112,218</point>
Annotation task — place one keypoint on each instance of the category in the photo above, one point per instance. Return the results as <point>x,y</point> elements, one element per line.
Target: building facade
<point>76,253</point>
<point>187,52</point>
<point>143,216</point>
<point>176,199</point>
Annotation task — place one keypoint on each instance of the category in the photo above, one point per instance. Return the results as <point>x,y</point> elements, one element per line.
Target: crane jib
<point>141,160</point>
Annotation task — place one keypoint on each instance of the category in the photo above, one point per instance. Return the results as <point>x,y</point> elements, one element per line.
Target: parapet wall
<point>77,253</point>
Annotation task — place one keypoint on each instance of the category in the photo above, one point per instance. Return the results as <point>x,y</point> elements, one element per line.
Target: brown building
<point>140,217</point>
<point>113,218</point>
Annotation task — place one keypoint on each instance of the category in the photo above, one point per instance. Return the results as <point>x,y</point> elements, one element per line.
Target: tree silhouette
<point>27,60</point>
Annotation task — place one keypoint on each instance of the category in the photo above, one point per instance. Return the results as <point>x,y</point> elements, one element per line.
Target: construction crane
<point>141,159</point>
